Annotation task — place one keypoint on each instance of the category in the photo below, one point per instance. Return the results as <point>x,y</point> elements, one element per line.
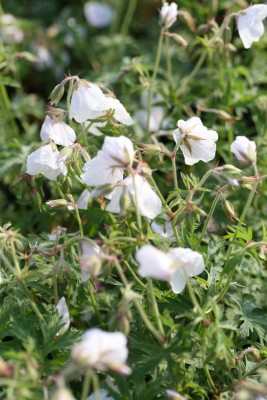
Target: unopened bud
<point>248,181</point>
<point>59,203</point>
<point>228,169</point>
<point>56,94</point>
<point>227,35</point>
<point>152,149</point>
<point>219,43</point>
<point>231,47</point>
<point>178,39</point>
<point>125,201</point>
<point>171,394</point>
<point>37,199</point>
<point>229,210</point>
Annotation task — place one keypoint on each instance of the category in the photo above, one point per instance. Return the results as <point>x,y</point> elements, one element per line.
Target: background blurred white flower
<point>98,14</point>
<point>175,266</point>
<point>249,24</point>
<point>102,350</point>
<point>168,14</point>
<point>10,31</point>
<point>244,149</point>
<point>198,142</point>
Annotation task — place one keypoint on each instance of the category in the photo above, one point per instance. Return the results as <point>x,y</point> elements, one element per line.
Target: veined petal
<point>98,172</point>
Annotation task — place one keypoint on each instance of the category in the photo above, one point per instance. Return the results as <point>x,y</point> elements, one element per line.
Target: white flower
<point>249,24</point>
<point>165,230</point>
<point>61,133</point>
<point>168,14</point>
<point>154,263</point>
<point>85,102</point>
<point>10,31</point>
<point>156,116</point>
<point>46,161</point>
<point>118,151</point>
<point>90,259</point>
<point>98,172</point>
<point>175,266</point>
<point>63,311</point>
<point>102,394</point>
<point>102,350</point>
<point>149,204</point>
<point>107,166</point>
<point>244,149</point>
<point>198,142</point>
<point>89,102</point>
<point>98,14</point>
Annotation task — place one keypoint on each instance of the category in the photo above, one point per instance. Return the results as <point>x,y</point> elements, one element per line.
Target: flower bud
<point>59,203</point>
<point>152,149</point>
<point>56,94</point>
<point>228,169</point>
<point>227,35</point>
<point>178,39</point>
<point>248,181</point>
<point>229,210</point>
<point>244,150</point>
<point>125,201</point>
<point>102,190</point>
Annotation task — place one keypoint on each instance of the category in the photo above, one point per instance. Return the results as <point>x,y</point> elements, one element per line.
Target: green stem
<point>128,18</point>
<point>169,59</point>
<point>134,275</point>
<point>86,385</point>
<point>138,216</point>
<point>150,89</point>
<point>94,304</point>
<point>55,279</point>
<point>168,209</point>
<point>229,252</point>
<point>79,220</point>
<point>173,157</point>
<point>193,298</point>
<point>155,306</point>
<point>211,211</point>
<point>192,74</point>
<point>209,378</point>
<point>69,97</point>
<point>138,306</point>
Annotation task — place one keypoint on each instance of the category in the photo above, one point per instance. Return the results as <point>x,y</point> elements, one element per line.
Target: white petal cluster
<point>63,311</point>
<point>168,15</point>
<point>176,266</point>
<point>107,166</point>
<point>198,142</point>
<point>244,149</point>
<point>98,14</point>
<point>89,102</point>
<point>46,161</point>
<point>102,350</point>
<point>148,203</point>
<point>249,24</point>
<point>57,131</point>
